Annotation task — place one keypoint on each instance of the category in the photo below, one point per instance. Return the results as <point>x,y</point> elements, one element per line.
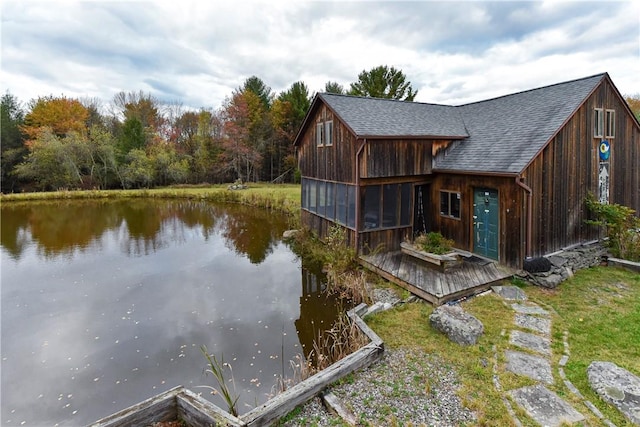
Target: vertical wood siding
<point>567,169</point>
<point>511,219</point>
<point>333,163</point>
<point>396,157</point>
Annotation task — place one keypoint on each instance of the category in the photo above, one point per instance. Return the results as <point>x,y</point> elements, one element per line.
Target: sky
<point>196,53</point>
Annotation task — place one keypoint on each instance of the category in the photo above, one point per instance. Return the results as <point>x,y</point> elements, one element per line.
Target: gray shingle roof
<point>497,135</point>
<point>369,117</point>
<point>506,133</point>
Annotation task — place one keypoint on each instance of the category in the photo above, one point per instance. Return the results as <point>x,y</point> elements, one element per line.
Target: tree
<point>259,88</point>
<point>634,104</point>
<point>54,162</point>
<point>334,87</point>
<point>132,137</point>
<point>298,97</point>
<point>61,115</point>
<point>12,148</point>
<point>383,82</point>
<point>242,114</point>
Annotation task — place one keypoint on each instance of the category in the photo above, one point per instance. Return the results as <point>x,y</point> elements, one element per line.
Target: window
<point>341,204</point>
<point>390,195</point>
<point>328,133</point>
<point>332,200</point>
<point>610,128</point>
<point>597,122</point>
<point>371,207</point>
<point>330,212</point>
<point>322,199</point>
<point>319,134</point>
<point>351,206</point>
<point>313,207</point>
<point>450,204</point>
<point>405,204</point>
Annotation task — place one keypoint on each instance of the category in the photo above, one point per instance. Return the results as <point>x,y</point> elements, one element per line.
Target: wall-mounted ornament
<point>605,150</point>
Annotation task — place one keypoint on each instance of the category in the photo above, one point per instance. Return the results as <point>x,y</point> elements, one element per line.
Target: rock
<point>551,281</point>
<point>290,234</point>
<point>617,386</point>
<point>458,325</point>
<point>546,407</point>
<point>531,342</point>
<point>535,367</point>
<point>510,293</point>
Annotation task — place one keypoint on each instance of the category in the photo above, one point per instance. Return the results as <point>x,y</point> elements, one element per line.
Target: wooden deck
<point>471,276</point>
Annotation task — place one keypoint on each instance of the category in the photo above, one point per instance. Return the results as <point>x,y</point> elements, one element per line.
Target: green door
<point>485,222</point>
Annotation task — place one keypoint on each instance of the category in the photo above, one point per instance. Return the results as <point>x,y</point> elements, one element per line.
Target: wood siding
<point>512,226</point>
<point>384,158</point>
<point>332,163</point>
<point>567,169</point>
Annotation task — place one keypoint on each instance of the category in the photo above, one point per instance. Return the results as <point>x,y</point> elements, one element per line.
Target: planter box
<point>443,262</point>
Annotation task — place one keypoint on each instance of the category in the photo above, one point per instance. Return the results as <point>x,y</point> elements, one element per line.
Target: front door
<point>485,222</point>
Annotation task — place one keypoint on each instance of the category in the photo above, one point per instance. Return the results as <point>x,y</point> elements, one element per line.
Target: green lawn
<point>599,307</point>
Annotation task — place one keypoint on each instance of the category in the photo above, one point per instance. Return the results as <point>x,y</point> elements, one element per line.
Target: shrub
<point>622,227</point>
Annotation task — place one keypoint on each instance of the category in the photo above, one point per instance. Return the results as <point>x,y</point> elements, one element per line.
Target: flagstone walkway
<point>531,356</point>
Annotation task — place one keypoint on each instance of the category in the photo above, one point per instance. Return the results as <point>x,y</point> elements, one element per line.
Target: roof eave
<point>425,137</point>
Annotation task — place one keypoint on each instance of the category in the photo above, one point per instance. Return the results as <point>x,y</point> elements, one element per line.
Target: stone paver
<point>534,367</point>
<point>545,407</point>
<point>617,386</point>
<point>535,323</point>
<point>531,342</point>
<point>529,309</point>
<point>510,293</point>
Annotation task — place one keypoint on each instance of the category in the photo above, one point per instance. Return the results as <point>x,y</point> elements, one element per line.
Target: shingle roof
<point>371,117</point>
<point>499,135</point>
<point>506,133</point>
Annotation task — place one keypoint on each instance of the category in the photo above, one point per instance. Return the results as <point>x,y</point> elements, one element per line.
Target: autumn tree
<point>242,115</point>
<point>383,82</point>
<point>634,104</point>
<point>60,114</point>
<point>334,87</point>
<point>143,107</point>
<point>12,149</point>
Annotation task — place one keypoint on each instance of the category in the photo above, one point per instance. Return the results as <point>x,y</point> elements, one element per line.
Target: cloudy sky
<point>198,52</point>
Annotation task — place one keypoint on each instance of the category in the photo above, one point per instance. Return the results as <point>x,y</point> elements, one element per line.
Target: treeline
<point>138,141</point>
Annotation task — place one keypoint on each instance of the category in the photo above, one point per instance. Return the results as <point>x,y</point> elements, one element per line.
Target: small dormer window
<point>598,120</point>
<point>610,123</point>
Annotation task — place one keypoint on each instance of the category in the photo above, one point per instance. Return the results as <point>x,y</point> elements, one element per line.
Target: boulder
<point>290,234</point>
<point>458,325</point>
<point>617,386</point>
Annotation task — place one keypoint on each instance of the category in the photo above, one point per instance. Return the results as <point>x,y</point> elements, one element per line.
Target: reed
<point>216,368</point>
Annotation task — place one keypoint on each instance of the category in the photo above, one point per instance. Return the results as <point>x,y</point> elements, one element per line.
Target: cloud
<point>199,52</point>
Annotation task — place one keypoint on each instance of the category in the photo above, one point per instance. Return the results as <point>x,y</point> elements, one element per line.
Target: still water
<point>107,303</point>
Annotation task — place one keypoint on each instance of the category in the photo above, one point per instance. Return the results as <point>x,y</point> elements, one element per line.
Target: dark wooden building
<point>505,178</point>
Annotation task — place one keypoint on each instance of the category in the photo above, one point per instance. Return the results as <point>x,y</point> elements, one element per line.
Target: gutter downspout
<point>357,171</point>
<point>525,187</point>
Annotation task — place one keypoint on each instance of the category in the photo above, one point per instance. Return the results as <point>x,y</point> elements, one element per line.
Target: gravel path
<point>407,386</point>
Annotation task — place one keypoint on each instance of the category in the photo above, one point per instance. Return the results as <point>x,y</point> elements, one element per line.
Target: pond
<point>106,303</point>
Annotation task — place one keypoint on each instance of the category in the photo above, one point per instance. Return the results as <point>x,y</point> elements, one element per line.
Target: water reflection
<point>106,303</point>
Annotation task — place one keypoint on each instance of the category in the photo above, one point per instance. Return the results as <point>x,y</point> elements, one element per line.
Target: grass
<point>281,197</point>
<point>599,307</point>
